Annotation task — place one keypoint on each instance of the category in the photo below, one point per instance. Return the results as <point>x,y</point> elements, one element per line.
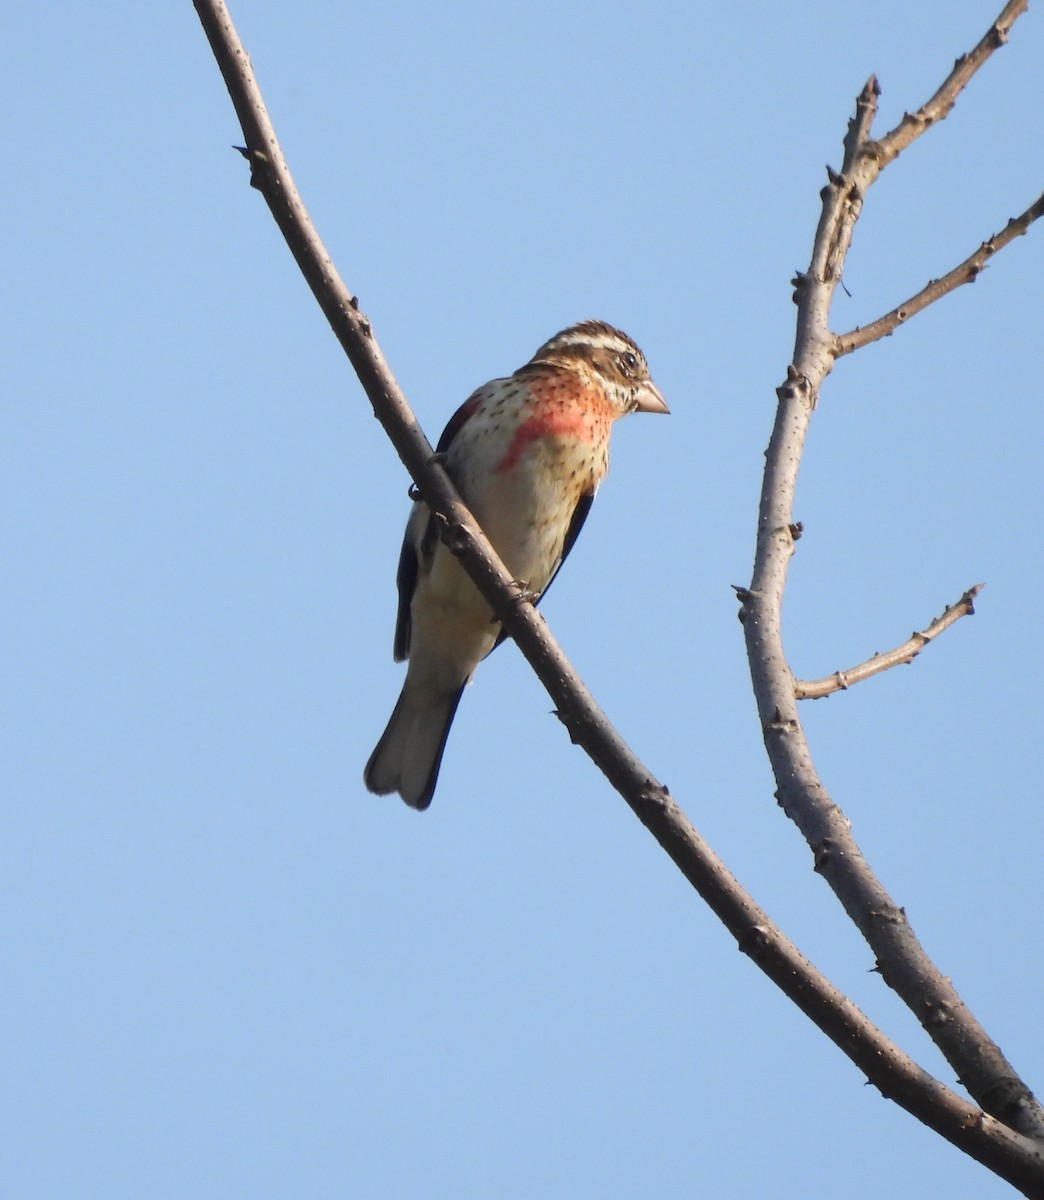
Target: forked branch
<point>903,964</point>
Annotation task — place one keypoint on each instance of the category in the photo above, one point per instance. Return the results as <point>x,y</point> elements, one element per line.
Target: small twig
<point>859,126</point>
<point>938,107</point>
<point>965,272</point>
<point>839,681</point>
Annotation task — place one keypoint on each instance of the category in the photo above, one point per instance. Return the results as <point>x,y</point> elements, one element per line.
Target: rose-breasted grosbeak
<point>527,454</point>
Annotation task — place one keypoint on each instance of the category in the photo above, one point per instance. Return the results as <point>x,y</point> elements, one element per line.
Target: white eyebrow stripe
<point>597,341</point>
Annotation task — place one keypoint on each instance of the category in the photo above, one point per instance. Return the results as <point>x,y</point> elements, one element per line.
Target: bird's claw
<point>525,594</point>
<point>438,459</point>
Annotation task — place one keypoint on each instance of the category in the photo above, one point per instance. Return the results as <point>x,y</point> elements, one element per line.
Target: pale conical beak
<point>650,399</point>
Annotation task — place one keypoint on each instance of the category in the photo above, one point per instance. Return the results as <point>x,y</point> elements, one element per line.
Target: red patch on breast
<point>559,412</point>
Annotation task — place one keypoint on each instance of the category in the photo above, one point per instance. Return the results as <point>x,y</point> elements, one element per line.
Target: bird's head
<point>611,359</point>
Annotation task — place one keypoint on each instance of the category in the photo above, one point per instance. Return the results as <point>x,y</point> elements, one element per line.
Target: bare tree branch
<point>939,106</point>
<point>965,272</point>
<point>865,159</point>
<point>901,959</point>
<point>1008,1153</point>
<point>840,681</point>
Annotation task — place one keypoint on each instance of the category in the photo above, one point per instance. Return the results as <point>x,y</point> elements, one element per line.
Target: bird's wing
<point>459,419</point>
<point>420,536</point>
<point>406,582</point>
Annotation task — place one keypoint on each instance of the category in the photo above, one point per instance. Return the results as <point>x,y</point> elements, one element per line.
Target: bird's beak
<point>650,399</point>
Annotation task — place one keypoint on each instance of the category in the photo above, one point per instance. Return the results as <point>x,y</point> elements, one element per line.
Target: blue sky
<point>230,972</point>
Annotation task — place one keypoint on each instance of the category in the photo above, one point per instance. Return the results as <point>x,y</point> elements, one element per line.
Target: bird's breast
<point>563,419</point>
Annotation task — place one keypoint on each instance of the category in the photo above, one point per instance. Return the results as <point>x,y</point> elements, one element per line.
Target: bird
<point>527,453</point>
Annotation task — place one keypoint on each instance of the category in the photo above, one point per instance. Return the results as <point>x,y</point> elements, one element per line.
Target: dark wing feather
<point>453,425</point>
<point>576,523</point>
<point>406,581</point>
<point>406,576</point>
<point>418,547</point>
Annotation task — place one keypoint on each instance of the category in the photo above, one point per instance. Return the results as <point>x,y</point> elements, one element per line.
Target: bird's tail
<point>407,758</point>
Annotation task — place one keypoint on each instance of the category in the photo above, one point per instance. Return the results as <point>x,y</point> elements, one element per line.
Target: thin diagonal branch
<point>1007,1153</point>
<point>940,105</point>
<point>840,681</point>
<point>965,272</point>
<point>901,959</point>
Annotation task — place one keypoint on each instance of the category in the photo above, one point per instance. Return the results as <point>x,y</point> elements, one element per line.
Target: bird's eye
<point>629,360</point>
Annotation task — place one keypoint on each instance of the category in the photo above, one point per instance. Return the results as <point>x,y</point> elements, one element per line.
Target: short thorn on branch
<point>800,284</point>
<point>744,597</point>
<point>795,382</point>
<point>839,681</point>
<point>572,723</point>
<point>258,160</point>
